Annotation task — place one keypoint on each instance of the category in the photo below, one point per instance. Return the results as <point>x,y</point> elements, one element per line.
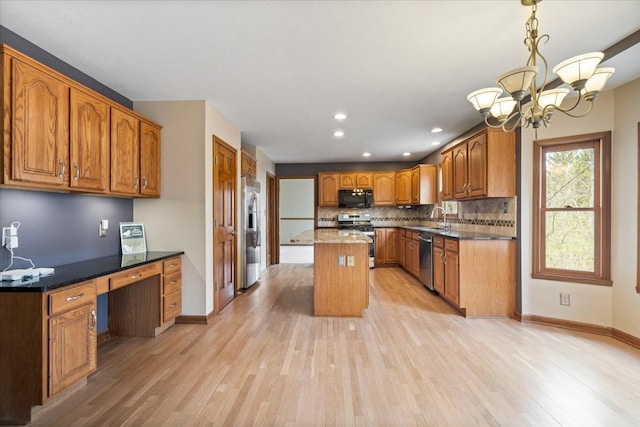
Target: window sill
<point>574,279</point>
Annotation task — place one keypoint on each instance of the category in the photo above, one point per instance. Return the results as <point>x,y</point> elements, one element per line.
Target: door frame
<point>272,252</point>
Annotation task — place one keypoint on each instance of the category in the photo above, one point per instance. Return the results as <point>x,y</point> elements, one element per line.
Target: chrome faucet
<point>445,226</point>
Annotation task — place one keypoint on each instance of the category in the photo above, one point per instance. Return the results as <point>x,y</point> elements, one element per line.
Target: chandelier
<point>509,112</point>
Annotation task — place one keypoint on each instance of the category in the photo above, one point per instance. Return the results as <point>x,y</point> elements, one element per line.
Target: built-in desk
<point>48,325</point>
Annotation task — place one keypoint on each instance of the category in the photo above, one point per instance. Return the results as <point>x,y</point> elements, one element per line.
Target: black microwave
<point>355,198</point>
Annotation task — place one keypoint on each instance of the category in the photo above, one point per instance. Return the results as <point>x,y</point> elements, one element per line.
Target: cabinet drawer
<point>413,235</point>
<point>172,305</point>
<point>67,299</point>
<point>172,282</point>
<point>438,242</point>
<point>172,265</point>
<point>133,275</point>
<point>451,245</point>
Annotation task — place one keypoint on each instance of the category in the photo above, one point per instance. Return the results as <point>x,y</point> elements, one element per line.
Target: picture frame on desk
<point>132,238</point>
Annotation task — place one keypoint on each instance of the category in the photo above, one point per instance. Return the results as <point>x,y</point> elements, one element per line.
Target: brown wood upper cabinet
<point>446,176</point>
<point>351,180</point>
<point>384,188</point>
<point>59,135</point>
<point>423,185</point>
<point>328,183</point>
<point>481,166</point>
<point>248,165</point>
<point>403,187</point>
<point>36,132</point>
<point>90,138</point>
<point>149,159</point>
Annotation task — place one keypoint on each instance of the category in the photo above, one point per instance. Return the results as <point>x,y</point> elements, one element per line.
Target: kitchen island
<point>340,271</point>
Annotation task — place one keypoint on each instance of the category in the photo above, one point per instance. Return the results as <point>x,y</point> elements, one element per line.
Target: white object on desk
<point>22,273</point>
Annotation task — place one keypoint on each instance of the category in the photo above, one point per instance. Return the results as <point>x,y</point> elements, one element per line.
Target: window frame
<point>601,142</point>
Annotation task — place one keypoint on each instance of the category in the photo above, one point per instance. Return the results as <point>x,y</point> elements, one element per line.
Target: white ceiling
<point>279,70</point>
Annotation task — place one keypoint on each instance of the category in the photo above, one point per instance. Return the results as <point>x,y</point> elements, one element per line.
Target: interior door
<point>224,221</point>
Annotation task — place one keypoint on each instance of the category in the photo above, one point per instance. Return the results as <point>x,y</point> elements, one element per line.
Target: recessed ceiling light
<point>340,116</point>
<point>435,143</point>
<point>406,154</point>
<point>338,134</point>
<point>436,130</point>
<point>366,154</point>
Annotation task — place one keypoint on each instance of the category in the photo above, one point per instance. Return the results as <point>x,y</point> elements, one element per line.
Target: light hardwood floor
<point>409,361</point>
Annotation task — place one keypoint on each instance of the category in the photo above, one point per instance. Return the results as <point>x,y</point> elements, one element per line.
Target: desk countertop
<point>70,274</point>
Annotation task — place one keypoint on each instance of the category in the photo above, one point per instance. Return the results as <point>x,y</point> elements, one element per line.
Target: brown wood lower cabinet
<point>48,340</point>
<point>476,276</point>
<point>386,246</point>
<point>411,254</point>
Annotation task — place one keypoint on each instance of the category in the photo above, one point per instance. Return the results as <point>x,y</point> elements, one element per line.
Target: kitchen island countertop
<point>330,236</point>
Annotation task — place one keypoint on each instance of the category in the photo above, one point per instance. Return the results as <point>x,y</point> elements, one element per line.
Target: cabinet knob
<point>94,321</point>
<point>62,169</point>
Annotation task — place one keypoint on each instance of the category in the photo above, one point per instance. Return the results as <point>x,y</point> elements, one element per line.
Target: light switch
<point>341,260</point>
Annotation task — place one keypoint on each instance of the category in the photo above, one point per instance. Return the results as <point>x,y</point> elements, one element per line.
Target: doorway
<point>272,243</point>
<point>224,223</point>
<point>297,213</point>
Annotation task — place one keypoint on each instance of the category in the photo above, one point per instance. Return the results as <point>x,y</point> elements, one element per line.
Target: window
<point>571,221</point>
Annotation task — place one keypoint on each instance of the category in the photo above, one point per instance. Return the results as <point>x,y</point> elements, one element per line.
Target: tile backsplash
<point>491,216</point>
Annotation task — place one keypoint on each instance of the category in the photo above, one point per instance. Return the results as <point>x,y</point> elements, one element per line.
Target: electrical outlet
<point>565,299</point>
<point>505,207</point>
<point>351,261</point>
<point>10,237</point>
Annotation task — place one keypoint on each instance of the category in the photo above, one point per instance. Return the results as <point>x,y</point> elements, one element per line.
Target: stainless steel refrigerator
<point>250,232</point>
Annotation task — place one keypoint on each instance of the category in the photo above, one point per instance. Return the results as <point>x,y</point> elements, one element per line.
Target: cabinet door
<point>415,186</point>
<point>89,149</point>
<point>446,176</point>
<point>348,180</point>
<point>328,188</point>
<point>415,258</point>
<point>125,153</point>
<point>451,287</point>
<point>408,259</point>
<point>401,248</point>
<point>477,166</point>
<point>392,245</point>
<point>72,347</point>
<point>40,127</point>
<point>380,244</point>
<point>384,188</point>
<point>460,179</point>
<point>364,180</point>
<point>438,269</point>
<point>403,187</point>
<point>149,160</point>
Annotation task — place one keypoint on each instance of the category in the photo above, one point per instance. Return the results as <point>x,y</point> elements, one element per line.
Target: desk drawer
<point>172,306</point>
<point>133,275</point>
<point>438,242</point>
<point>172,282</point>
<point>67,299</point>
<point>172,265</point>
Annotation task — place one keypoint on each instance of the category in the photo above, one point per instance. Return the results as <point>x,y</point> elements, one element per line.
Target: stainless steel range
<point>360,222</point>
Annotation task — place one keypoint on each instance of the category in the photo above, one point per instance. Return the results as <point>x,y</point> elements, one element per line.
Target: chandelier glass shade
<point>580,72</point>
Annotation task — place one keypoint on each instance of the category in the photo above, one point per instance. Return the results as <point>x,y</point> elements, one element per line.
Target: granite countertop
<point>70,274</point>
<point>460,235</point>
<point>331,236</point>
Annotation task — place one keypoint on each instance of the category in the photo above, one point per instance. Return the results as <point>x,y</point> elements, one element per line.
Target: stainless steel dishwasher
<point>426,256</point>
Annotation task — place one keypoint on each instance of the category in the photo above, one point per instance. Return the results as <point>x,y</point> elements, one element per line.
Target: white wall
<point>617,306</point>
<point>176,221</point>
<point>182,218</point>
